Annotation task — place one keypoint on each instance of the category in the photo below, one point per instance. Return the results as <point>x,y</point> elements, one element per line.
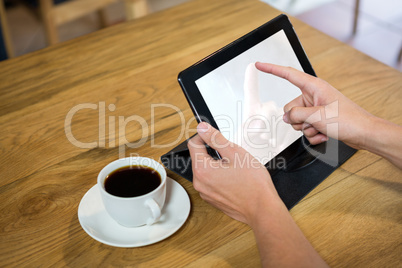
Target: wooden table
<point>353,218</point>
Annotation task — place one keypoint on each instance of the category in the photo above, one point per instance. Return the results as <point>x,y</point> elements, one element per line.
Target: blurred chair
<point>6,48</point>
<point>136,9</point>
<point>54,15</point>
<point>356,16</point>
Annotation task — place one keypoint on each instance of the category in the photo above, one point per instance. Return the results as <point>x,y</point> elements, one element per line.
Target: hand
<point>239,185</point>
<point>242,188</point>
<point>321,110</point>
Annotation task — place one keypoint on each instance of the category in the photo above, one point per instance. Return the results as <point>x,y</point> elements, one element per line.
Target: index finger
<point>296,77</point>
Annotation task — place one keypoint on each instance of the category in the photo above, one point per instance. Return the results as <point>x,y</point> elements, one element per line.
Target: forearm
<point>385,139</point>
<point>280,241</point>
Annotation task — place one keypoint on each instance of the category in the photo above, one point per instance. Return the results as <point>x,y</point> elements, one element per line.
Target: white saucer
<point>99,225</point>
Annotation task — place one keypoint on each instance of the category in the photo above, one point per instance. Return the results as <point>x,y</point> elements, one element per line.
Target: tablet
<point>246,105</point>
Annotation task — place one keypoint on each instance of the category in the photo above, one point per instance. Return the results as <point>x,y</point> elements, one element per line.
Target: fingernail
<point>286,117</point>
<point>325,139</point>
<point>203,127</point>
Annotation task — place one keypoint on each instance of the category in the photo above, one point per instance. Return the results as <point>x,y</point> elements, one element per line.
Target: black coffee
<point>131,181</point>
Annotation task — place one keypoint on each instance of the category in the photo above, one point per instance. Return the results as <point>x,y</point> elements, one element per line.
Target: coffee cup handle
<point>155,210</point>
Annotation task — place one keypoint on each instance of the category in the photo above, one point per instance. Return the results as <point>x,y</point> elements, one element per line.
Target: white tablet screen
<point>247,104</point>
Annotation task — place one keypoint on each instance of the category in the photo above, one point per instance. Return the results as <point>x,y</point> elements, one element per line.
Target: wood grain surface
<point>353,219</point>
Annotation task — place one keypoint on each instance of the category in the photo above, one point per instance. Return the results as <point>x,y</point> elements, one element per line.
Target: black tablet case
<point>302,174</point>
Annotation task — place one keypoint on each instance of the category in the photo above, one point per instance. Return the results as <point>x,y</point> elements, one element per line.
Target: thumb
<point>214,138</point>
<point>309,115</point>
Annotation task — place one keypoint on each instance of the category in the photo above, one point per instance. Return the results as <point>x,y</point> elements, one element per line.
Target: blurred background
<point>374,27</point>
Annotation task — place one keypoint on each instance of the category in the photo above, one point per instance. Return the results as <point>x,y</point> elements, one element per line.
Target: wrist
<point>277,234</point>
<point>364,138</point>
<point>383,139</point>
<point>373,136</point>
<point>268,209</point>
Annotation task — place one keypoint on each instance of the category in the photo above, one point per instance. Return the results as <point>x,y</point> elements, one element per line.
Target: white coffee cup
<point>138,210</point>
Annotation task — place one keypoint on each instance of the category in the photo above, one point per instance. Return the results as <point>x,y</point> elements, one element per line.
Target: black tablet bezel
<point>187,77</point>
